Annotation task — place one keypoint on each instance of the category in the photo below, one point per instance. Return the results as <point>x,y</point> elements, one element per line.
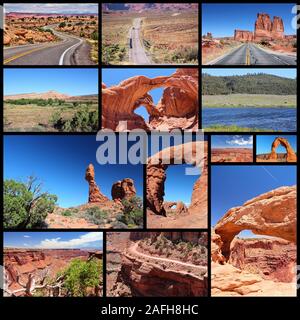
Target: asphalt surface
<point>59,53</point>
<point>250,54</point>
<point>137,51</point>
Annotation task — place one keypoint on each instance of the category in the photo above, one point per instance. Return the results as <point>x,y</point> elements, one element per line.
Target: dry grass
<point>25,118</point>
<point>172,39</point>
<point>115,31</point>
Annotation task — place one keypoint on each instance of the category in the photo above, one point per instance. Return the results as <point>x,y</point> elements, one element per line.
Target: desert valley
<point>266,42</point>
<point>50,35</point>
<point>149,33</point>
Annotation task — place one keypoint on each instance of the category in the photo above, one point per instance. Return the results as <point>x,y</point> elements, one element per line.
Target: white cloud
<point>85,240</point>
<point>240,141</point>
<point>26,236</point>
<point>25,244</point>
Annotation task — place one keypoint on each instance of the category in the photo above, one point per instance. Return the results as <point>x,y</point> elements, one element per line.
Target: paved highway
<point>137,52</point>
<point>251,54</point>
<point>59,53</point>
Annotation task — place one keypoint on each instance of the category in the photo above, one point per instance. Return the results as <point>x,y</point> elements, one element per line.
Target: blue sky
<point>232,141</point>
<point>52,7</point>
<point>231,186</point>
<point>264,143</point>
<point>222,19</point>
<point>112,77</point>
<point>68,81</point>
<point>60,163</point>
<point>54,240</point>
<point>287,73</point>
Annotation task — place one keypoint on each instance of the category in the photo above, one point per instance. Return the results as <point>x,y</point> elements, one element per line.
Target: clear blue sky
<point>60,163</point>
<point>264,143</point>
<point>68,81</point>
<point>232,141</point>
<point>112,77</point>
<point>52,7</point>
<point>287,73</point>
<point>222,19</point>
<point>54,240</point>
<point>231,186</point>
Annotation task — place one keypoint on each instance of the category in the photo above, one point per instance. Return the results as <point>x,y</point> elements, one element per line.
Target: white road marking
<point>61,59</point>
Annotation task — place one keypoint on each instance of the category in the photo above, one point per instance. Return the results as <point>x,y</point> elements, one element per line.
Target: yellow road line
<point>248,57</point>
<point>21,55</point>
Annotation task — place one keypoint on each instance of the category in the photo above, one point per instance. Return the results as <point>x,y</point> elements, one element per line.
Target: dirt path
<point>137,53</point>
<point>133,250</point>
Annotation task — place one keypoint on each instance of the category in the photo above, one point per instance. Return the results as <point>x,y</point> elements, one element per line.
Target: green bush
<point>25,205</point>
<point>66,213</point>
<point>62,25</point>
<point>95,215</point>
<point>185,55</point>
<point>81,276</point>
<point>95,35</point>
<point>132,212</point>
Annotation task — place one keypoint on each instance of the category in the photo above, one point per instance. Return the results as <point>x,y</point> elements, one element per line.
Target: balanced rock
<point>123,189</point>
<point>95,196</point>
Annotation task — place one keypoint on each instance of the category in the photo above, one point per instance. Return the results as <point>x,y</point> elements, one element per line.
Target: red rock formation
<point>265,29</point>
<point>178,107</point>
<point>277,28</point>
<point>124,189</point>
<point>273,259</point>
<point>94,192</point>
<point>156,174</point>
<point>291,156</point>
<point>243,35</point>
<point>272,213</point>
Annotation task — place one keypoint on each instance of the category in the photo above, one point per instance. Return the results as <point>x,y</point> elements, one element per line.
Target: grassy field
<point>233,128</point>
<point>249,100</point>
<point>25,118</point>
<point>171,37</point>
<point>115,38</point>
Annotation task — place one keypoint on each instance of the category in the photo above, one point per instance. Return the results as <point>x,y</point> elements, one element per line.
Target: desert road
<point>251,54</point>
<point>59,53</point>
<point>137,52</point>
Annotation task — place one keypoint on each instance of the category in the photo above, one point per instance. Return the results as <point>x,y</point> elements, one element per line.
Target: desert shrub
<point>80,276</point>
<point>95,35</point>
<point>62,25</point>
<point>95,215</point>
<point>66,213</point>
<point>113,53</point>
<point>185,55</point>
<point>82,121</point>
<point>132,212</point>
<point>264,43</point>
<point>25,205</point>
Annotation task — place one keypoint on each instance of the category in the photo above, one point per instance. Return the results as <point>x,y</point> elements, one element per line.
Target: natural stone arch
<point>290,157</point>
<point>271,214</point>
<point>120,101</point>
<point>157,165</point>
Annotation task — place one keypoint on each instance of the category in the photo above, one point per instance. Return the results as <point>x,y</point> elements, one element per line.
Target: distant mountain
<point>52,95</point>
<point>45,15</point>
<point>148,6</point>
<point>248,84</point>
<point>45,95</point>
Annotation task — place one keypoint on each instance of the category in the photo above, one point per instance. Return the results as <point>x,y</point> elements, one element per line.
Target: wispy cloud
<point>240,141</point>
<point>85,240</point>
<point>26,236</point>
<point>269,173</point>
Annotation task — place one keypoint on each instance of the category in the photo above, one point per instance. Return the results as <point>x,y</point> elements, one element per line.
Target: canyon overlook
<point>27,270</point>
<point>160,212</point>
<point>177,108</point>
<point>257,266</point>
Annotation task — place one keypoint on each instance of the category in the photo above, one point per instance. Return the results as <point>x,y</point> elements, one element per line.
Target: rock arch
<point>178,106</point>
<point>291,156</point>
<point>157,165</point>
<point>272,214</point>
